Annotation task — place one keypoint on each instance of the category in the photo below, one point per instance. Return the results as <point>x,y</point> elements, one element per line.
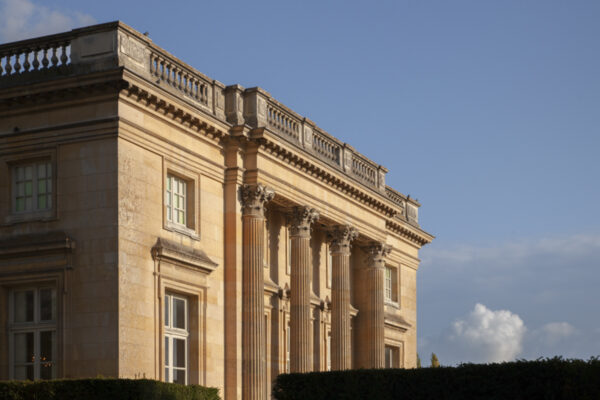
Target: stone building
<point>157,223</point>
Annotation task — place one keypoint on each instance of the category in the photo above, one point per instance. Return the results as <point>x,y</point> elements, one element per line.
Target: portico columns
<point>301,351</point>
<point>341,238</point>
<point>374,312</point>
<point>254,198</point>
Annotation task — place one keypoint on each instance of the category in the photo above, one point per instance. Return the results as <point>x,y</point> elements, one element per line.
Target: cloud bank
<point>23,19</point>
<point>528,299</point>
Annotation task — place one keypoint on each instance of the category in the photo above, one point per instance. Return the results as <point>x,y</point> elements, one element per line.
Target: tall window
<point>329,267</point>
<point>176,200</point>
<point>391,284</point>
<point>288,269</point>
<point>32,333</point>
<point>328,351</point>
<point>287,348</point>
<point>32,187</point>
<point>392,357</point>
<point>176,339</point>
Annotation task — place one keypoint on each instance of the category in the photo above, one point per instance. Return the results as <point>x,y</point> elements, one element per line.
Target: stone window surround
<point>398,346</point>
<point>192,180</point>
<point>13,217</point>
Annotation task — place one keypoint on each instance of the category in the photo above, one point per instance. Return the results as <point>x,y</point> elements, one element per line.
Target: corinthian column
<point>341,238</point>
<point>254,198</point>
<point>301,349</point>
<point>374,313</point>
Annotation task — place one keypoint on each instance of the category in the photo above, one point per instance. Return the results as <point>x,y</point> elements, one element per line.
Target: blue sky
<point>487,111</point>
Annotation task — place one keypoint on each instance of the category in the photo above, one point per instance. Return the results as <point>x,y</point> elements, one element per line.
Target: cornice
<point>413,234</point>
<point>308,166</point>
<point>172,111</point>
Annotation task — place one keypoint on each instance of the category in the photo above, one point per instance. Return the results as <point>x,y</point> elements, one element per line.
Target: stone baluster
<point>301,351</point>
<point>254,199</point>
<point>36,62</point>
<point>374,312</point>
<point>54,58</point>
<point>341,238</point>
<point>26,63</point>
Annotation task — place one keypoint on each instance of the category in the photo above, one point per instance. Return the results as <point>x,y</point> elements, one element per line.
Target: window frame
<point>11,215</point>
<point>192,208</point>
<point>393,287</point>
<point>37,326</point>
<point>171,334</point>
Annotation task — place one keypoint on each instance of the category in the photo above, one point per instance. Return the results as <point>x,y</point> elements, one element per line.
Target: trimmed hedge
<point>548,379</point>
<point>104,389</point>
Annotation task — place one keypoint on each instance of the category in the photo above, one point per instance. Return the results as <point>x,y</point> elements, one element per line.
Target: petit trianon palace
<point>156,223</point>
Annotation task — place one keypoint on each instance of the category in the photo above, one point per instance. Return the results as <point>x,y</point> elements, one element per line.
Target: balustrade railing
<point>326,147</point>
<point>283,121</point>
<point>35,55</point>
<point>364,170</point>
<point>394,196</point>
<point>180,78</point>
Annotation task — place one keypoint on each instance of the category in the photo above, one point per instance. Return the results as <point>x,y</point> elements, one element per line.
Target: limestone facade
<point>157,223</point>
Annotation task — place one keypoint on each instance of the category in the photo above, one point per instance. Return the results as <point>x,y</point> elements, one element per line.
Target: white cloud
<point>487,336</point>
<point>22,19</point>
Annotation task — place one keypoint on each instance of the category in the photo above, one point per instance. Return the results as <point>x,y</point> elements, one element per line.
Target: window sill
<point>170,226</point>
<point>34,216</point>
<point>393,304</point>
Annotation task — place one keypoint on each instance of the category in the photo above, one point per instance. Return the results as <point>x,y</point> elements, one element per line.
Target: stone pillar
<point>341,238</point>
<point>301,344</point>
<point>374,313</point>
<point>254,198</point>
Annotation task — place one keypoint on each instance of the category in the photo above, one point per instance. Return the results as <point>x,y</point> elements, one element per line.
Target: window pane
<point>179,353</point>
<point>23,306</point>
<point>167,357</point>
<point>48,170</point>
<point>20,206</point>
<point>24,348</point>
<point>178,313</point>
<point>178,376</point>
<point>28,188</point>
<point>167,307</point>
<point>41,186</point>
<point>42,202</point>
<point>41,171</point>
<point>24,373</point>
<point>28,172</point>
<point>167,378</point>
<point>47,304</point>
<point>47,355</point>
<point>28,203</point>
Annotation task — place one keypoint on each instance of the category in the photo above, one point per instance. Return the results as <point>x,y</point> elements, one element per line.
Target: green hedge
<point>542,379</point>
<point>104,389</point>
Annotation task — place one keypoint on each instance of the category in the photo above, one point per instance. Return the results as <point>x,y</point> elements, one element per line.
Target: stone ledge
<point>36,244</point>
<point>181,255</point>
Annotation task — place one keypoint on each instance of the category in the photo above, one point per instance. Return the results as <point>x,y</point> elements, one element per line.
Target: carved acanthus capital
<point>377,252</point>
<point>255,198</point>
<point>301,219</point>
<point>341,238</point>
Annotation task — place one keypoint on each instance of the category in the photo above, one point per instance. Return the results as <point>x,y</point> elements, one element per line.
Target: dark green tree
<point>418,361</point>
<point>434,361</point>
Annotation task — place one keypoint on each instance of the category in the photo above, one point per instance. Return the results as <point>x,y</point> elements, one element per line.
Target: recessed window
<point>32,333</point>
<point>176,339</point>
<point>329,267</point>
<point>288,269</point>
<point>176,201</point>
<point>32,187</point>
<point>328,351</point>
<point>287,347</point>
<point>391,284</point>
<point>392,357</point>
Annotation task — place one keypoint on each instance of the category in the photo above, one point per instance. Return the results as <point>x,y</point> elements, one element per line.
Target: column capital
<point>301,218</point>
<point>377,252</point>
<point>341,237</point>
<point>254,199</point>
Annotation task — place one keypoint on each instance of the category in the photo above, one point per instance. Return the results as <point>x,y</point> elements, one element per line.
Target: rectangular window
<point>287,348</point>
<point>392,357</point>
<point>391,284</point>
<point>176,339</point>
<point>175,200</point>
<point>32,333</point>
<point>328,351</point>
<point>32,187</point>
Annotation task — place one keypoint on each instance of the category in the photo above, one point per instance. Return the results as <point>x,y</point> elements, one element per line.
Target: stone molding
<point>178,254</point>
<point>301,219</point>
<point>36,244</point>
<point>341,237</point>
<point>254,199</point>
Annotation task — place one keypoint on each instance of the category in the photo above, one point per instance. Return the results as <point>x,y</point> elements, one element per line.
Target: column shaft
<point>253,332</point>
<point>301,338</point>
<point>340,297</point>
